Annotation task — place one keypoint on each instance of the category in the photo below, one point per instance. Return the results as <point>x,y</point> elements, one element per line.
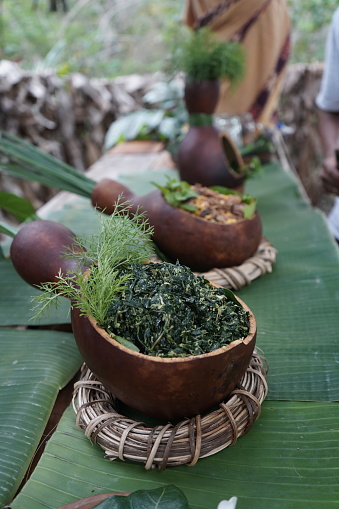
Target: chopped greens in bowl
<point>165,310</point>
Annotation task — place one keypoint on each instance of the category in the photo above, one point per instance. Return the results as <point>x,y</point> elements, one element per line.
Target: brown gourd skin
<point>201,96</point>
<point>205,155</point>
<point>199,244</point>
<point>202,159</point>
<point>37,251</point>
<point>107,193</point>
<point>195,242</point>
<point>165,388</point>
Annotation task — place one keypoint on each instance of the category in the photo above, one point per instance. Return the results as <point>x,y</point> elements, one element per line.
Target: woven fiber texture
<point>169,445</point>
<point>236,278</point>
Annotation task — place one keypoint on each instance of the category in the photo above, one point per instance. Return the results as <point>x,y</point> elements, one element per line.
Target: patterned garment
<point>263,28</point>
<point>262,99</point>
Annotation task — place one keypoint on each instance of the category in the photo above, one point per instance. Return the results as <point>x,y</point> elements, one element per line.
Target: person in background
<point>327,102</point>
<point>263,28</point>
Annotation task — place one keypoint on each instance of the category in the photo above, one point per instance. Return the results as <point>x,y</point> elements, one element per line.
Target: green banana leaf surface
<point>34,366</point>
<point>290,457</point>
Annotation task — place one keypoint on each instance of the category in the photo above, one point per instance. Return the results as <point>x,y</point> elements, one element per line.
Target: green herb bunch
<point>120,241</point>
<point>165,310</point>
<point>201,57</point>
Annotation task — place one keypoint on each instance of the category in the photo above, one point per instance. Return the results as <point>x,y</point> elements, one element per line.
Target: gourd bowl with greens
<point>163,340</point>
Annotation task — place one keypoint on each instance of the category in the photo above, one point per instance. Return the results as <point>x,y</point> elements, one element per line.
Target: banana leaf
<point>16,301</point>
<point>289,459</point>
<point>34,366</point>
<point>296,306</point>
<point>19,207</point>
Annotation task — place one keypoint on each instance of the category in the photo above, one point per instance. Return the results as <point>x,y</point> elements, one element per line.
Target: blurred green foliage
<point>310,20</point>
<point>107,38</point>
<point>101,38</point>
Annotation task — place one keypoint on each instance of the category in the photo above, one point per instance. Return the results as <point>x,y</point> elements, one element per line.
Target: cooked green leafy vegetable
<point>167,497</point>
<point>167,311</point>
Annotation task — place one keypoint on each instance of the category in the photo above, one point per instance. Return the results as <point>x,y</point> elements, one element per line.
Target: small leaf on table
<point>167,497</point>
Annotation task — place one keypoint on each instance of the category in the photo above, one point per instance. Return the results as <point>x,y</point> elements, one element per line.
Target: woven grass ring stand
<point>184,443</point>
<point>169,445</point>
<point>254,267</point>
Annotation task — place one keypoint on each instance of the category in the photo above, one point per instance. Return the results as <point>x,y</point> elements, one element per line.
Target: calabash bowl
<point>180,235</point>
<point>165,388</point>
<point>201,244</point>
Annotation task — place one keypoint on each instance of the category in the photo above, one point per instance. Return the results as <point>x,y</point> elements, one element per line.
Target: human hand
<point>330,175</point>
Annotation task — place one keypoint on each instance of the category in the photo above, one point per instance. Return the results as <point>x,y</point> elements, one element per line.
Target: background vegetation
<point>107,38</point>
<point>102,38</point>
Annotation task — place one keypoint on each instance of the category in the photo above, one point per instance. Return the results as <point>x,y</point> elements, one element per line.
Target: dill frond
<point>201,57</point>
<point>121,239</point>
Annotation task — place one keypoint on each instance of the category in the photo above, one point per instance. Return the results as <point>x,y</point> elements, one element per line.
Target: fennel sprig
<point>122,239</point>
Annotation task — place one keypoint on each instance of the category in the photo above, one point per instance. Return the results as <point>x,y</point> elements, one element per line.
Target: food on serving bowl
<point>197,342</point>
<point>167,311</point>
<point>165,387</point>
<point>180,233</point>
<point>213,204</point>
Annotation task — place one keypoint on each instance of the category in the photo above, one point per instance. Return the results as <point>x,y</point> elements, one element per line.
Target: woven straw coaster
<point>235,278</point>
<point>169,445</point>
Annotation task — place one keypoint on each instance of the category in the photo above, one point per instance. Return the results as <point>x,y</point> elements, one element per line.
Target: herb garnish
<point>120,239</point>
<point>167,311</point>
<point>200,56</point>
